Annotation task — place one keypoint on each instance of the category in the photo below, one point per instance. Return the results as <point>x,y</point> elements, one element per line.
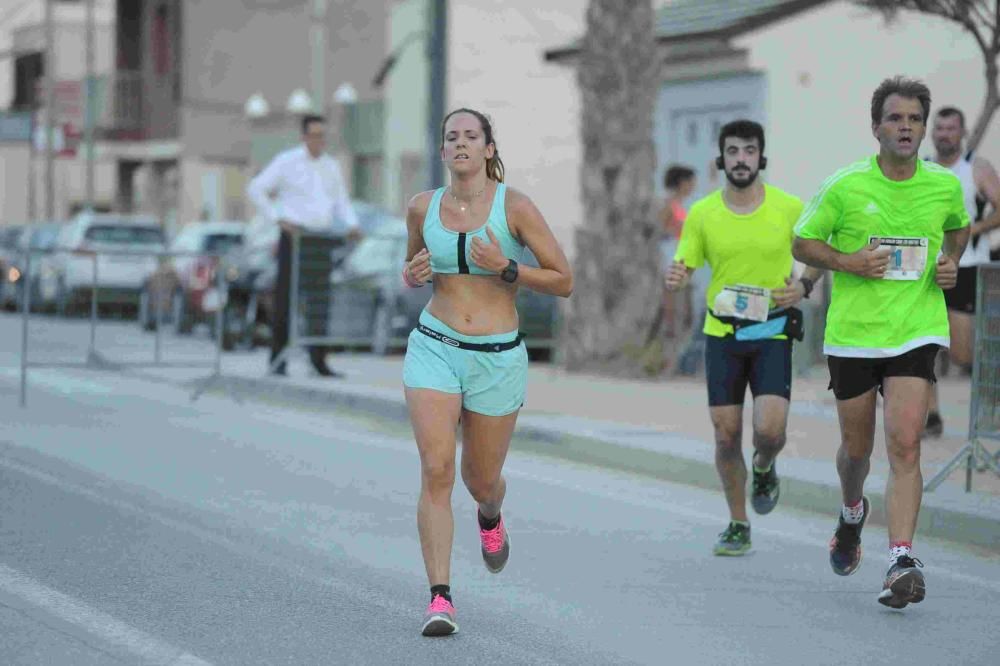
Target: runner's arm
<point>553,276</point>
<point>988,185</point>
<point>954,243</point>
<point>417,268</point>
<point>818,256</point>
<point>956,227</point>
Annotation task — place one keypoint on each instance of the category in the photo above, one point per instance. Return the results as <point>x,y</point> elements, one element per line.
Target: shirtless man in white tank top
<point>981,190</point>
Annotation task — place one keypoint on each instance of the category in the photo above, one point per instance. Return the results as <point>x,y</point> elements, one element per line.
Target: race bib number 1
<point>908,259</point>
<point>743,301</point>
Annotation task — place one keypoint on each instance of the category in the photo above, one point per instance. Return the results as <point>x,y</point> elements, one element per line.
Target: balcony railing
<point>127,119</point>
<point>142,107</point>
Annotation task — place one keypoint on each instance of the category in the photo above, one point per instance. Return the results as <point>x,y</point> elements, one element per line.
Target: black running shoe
<point>904,583</point>
<point>845,546</point>
<point>934,426</point>
<point>766,490</point>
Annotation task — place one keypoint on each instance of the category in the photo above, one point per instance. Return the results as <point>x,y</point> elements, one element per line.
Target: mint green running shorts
<point>491,382</point>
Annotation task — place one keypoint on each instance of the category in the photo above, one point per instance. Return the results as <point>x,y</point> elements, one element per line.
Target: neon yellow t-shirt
<point>878,318</point>
<point>752,250</point>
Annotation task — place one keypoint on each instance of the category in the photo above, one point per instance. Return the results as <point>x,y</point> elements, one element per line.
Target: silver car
<point>124,248</point>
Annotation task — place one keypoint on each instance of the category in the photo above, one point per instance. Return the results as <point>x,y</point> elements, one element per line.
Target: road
<point>137,527</point>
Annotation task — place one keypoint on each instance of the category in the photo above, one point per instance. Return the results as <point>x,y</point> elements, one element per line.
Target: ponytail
<point>494,166</point>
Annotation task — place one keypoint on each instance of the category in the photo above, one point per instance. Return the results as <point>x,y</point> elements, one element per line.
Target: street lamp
<point>299,102</point>
<point>345,94</point>
<point>256,107</point>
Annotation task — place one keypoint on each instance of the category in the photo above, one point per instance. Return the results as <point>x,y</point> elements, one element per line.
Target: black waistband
<point>471,346</point>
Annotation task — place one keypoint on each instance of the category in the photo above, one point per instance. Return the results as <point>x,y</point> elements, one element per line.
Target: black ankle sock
<point>488,523</point>
<point>443,590</point>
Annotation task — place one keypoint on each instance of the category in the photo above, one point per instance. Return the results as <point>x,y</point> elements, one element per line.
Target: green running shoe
<point>735,540</point>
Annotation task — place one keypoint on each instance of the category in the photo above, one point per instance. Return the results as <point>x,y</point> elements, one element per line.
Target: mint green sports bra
<point>450,249</point>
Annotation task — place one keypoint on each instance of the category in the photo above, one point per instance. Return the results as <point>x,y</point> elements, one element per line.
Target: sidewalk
<point>661,428</point>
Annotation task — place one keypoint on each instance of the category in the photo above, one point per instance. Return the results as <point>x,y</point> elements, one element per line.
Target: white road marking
<point>151,650</point>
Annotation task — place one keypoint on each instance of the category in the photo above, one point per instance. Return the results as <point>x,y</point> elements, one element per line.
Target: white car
<point>125,249</point>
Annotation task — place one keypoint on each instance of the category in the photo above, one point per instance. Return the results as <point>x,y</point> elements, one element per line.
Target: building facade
<point>173,134</point>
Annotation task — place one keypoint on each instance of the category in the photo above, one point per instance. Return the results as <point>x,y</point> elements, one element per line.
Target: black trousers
<point>315,265</point>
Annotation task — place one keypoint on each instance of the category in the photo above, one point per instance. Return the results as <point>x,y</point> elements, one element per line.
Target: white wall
<point>71,58</point>
<point>818,101</point>
<point>69,183</point>
<point>496,65</point>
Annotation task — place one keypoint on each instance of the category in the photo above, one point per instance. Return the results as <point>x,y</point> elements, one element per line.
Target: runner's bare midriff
<point>474,304</point>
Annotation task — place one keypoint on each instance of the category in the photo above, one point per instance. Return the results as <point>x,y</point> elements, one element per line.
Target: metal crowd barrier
<point>984,407</point>
<point>309,276</point>
<point>94,359</point>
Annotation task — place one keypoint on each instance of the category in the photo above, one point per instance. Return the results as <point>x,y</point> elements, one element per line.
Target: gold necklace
<point>463,205</point>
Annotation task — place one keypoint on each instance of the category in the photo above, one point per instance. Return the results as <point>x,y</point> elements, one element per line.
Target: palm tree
<point>617,278</point>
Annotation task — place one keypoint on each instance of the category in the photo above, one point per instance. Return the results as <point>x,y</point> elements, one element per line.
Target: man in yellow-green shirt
<point>744,233</point>
<point>892,228</point>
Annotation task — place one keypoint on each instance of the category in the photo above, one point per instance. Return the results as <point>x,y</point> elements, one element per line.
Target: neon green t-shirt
<point>877,318</point>
<point>753,250</point>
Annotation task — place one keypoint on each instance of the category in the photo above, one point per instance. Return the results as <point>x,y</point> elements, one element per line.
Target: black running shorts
<point>731,364</point>
<point>962,298</point>
<point>851,377</point>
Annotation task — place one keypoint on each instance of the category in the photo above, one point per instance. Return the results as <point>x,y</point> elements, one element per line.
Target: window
<point>28,71</point>
<point>106,233</point>
<point>221,243</point>
<point>162,57</point>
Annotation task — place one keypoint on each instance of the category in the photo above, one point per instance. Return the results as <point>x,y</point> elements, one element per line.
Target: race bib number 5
<point>908,259</point>
<point>743,301</point>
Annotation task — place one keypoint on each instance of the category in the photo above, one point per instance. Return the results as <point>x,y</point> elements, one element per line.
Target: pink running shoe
<point>439,620</point>
<point>496,547</point>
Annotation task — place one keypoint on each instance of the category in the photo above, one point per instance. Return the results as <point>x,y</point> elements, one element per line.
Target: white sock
<point>853,514</point>
<point>898,551</point>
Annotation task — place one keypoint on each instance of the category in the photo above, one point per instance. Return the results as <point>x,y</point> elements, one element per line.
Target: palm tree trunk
<point>617,277</point>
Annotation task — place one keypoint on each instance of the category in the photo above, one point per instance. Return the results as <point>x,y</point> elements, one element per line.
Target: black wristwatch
<point>509,274</point>
<point>808,284</point>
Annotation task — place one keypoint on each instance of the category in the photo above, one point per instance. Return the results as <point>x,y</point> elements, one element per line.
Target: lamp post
<point>50,98</point>
<point>88,118</point>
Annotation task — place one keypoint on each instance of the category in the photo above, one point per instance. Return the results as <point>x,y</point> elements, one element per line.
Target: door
<point>689,116</point>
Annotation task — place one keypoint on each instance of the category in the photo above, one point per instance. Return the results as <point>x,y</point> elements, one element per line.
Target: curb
<point>947,513</point>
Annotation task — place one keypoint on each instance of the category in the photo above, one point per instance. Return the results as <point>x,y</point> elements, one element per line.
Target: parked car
<point>9,273</point>
<point>40,238</point>
<point>539,317</point>
<point>182,289</point>
<point>103,238</point>
<point>370,307</point>
<point>252,270</point>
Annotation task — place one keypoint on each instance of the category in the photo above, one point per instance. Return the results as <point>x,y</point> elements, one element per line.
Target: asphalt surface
<point>138,527</point>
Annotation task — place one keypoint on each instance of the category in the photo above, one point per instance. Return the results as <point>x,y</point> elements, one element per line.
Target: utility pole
<point>33,169</point>
<point>88,117</point>
<point>50,90</point>
<point>318,37</point>
<point>437,56</point>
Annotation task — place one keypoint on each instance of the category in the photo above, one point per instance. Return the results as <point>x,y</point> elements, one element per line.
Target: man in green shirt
<point>744,232</point>
<point>892,228</point>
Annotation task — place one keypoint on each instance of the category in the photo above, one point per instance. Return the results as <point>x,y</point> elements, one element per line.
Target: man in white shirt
<point>303,191</point>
